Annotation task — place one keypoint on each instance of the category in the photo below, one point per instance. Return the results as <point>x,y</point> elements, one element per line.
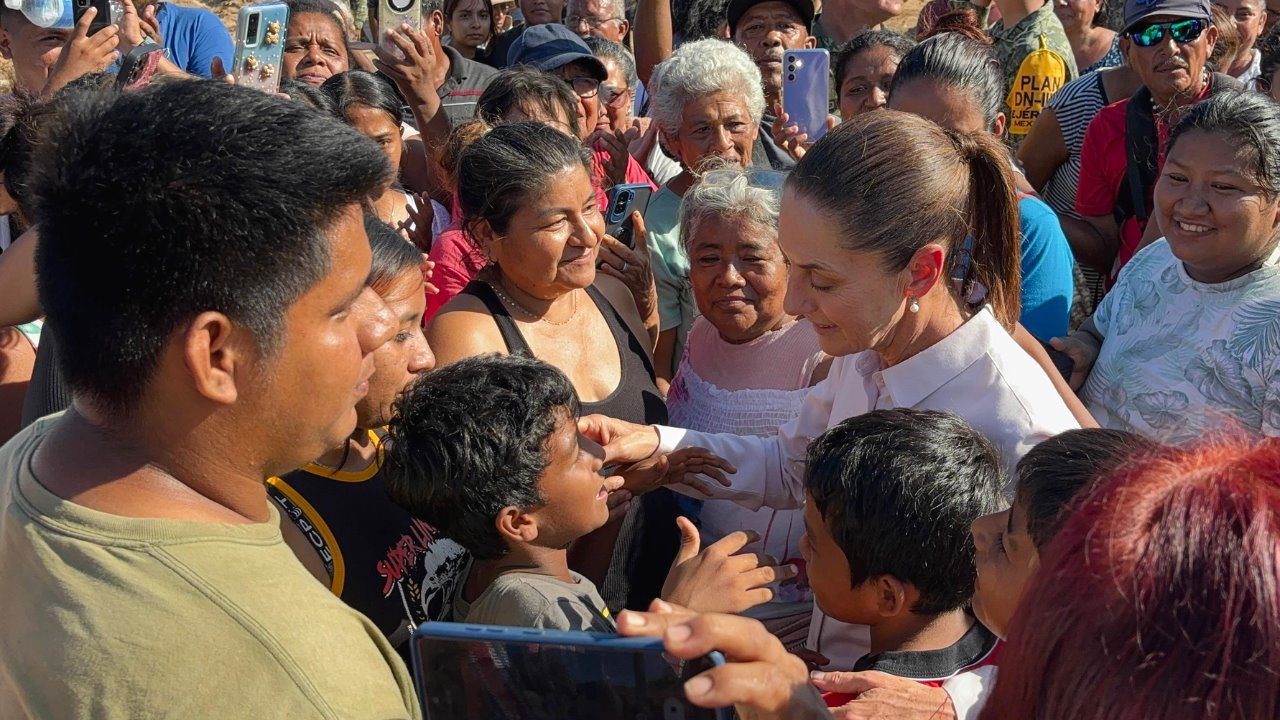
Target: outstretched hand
<point>685,467</point>
<point>885,697</point>
<point>721,578</point>
<point>623,442</point>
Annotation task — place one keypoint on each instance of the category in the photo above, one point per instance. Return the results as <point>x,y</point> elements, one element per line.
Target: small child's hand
<point>721,579</point>
<point>682,466</point>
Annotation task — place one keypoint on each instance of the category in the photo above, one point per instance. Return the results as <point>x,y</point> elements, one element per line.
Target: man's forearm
<point>653,36</point>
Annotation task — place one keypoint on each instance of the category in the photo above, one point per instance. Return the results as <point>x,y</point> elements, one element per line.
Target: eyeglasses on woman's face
<point>613,95</point>
<point>583,86</point>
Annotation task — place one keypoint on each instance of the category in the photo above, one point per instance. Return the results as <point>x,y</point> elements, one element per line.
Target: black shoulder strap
<point>622,335</point>
<point>1142,153</point>
<point>1140,138</point>
<point>506,324</point>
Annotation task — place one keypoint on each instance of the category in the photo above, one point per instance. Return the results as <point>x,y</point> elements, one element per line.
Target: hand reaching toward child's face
<point>685,467</point>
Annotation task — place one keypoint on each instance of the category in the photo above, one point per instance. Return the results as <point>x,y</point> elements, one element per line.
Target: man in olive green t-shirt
<point>204,260</point>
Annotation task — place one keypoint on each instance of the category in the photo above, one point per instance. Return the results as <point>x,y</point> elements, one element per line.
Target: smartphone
<point>805,90</point>
<point>623,200</point>
<point>1061,360</point>
<point>100,21</point>
<point>481,672</point>
<point>260,32</point>
<point>394,13</point>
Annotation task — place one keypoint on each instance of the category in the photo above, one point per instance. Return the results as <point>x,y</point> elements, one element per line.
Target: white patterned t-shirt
<point>1181,358</point>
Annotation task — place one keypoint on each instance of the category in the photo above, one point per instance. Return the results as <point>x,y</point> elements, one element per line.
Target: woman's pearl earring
<point>914,307</point>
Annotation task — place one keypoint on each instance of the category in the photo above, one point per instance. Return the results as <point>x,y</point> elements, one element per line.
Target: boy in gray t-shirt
<point>488,448</point>
<point>523,599</point>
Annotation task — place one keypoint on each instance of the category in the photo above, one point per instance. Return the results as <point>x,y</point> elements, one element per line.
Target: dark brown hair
<point>894,182</point>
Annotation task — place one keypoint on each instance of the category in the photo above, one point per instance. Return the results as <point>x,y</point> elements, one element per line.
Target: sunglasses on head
<point>1182,31</point>
<point>765,179</point>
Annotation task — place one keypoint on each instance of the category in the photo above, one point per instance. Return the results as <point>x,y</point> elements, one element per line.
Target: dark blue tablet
<point>488,672</point>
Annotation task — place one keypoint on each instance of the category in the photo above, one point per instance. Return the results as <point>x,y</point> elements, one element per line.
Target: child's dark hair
<point>898,490</point>
<point>470,439</point>
<point>1053,472</point>
<point>25,116</point>
<point>897,43</point>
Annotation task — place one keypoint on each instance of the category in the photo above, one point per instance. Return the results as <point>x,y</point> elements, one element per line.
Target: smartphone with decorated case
<point>260,34</point>
<point>805,86</point>
<point>394,13</point>
<point>482,672</point>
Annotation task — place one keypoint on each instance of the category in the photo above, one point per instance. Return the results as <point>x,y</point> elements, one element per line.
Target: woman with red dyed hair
<point>1159,598</point>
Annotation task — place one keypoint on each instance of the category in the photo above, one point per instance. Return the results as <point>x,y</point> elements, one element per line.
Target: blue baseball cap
<point>1137,11</point>
<point>551,46</point>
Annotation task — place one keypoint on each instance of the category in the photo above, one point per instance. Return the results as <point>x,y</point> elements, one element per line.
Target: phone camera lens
<point>251,28</point>
<point>792,77</point>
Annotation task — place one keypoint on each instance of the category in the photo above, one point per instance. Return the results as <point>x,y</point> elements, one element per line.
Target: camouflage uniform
<point>1039,30</point>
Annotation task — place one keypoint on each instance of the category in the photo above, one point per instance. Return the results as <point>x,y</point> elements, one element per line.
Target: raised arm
<point>652,33</point>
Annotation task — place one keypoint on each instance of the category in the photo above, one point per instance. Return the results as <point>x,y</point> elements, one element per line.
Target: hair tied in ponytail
<point>966,144</point>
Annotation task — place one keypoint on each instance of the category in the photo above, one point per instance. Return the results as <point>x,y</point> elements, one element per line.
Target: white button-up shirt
<point>977,372</point>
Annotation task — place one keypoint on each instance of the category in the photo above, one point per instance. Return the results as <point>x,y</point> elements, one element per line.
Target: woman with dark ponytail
<point>874,220</point>
<point>955,81</point>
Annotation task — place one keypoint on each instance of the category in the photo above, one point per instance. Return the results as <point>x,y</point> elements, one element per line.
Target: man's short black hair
<point>898,490</point>
<point>470,439</point>
<point>182,198</point>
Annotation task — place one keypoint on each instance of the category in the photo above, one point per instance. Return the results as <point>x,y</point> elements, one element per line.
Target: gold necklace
<point>497,287</point>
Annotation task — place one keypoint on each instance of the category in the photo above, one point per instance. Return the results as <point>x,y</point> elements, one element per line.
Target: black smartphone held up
<point>482,672</point>
<point>100,21</point>
<point>625,199</point>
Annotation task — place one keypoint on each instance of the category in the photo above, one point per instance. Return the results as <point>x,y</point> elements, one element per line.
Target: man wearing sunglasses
<point>1167,43</point>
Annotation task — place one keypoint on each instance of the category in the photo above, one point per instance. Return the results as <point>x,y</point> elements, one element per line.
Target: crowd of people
<point>967,409</point>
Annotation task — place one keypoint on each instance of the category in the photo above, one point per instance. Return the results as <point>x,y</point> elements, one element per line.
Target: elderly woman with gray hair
<point>707,102</point>
<point>747,364</point>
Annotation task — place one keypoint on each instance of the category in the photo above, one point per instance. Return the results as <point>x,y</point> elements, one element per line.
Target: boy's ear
<point>891,596</point>
<point>516,525</point>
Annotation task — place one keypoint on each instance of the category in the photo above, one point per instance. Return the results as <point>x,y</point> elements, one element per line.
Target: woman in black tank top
<point>527,198</point>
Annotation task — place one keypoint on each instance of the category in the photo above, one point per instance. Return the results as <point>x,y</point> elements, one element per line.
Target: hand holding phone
<point>100,21</point>
<point>83,53</point>
<point>805,83</point>
<point>391,15</point>
<point>260,33</point>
